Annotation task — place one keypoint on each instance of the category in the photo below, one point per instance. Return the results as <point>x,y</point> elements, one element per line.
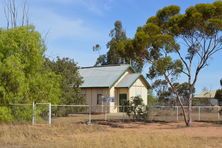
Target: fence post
<point>105,111</point>
<point>50,113</point>
<point>102,106</point>
<point>33,113</point>
<point>177,113</point>
<point>199,113</point>
<point>123,112</point>
<point>218,113</point>
<point>90,111</point>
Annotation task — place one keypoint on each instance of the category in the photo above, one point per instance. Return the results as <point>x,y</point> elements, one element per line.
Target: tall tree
<point>23,77</point>
<point>177,44</point>
<point>71,80</point>
<point>117,49</point>
<point>117,35</point>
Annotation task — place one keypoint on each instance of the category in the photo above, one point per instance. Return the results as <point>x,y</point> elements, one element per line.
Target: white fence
<point>48,114</point>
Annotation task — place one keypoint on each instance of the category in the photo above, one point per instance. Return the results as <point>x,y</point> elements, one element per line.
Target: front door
<point>122,102</point>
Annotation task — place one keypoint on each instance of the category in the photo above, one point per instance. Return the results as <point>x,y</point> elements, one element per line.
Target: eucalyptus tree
<point>176,44</point>
<point>116,53</point>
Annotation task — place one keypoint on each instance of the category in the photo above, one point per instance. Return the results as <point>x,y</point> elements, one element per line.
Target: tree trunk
<point>190,110</point>
<point>183,110</point>
<point>178,98</point>
<point>190,106</point>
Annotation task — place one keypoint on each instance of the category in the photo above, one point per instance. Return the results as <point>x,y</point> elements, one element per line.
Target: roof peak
<point>110,65</point>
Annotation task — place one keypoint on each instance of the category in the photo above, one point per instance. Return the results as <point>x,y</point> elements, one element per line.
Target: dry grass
<point>66,133</point>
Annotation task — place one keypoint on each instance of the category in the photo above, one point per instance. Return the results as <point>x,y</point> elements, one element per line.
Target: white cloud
<point>98,7</point>
<point>59,26</point>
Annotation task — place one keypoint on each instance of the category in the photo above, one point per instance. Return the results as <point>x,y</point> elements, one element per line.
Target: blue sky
<point>72,27</point>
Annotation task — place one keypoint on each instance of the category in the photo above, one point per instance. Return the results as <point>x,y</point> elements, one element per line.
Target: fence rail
<point>48,113</point>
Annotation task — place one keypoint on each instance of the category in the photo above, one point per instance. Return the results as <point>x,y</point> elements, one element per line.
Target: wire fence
<point>46,113</point>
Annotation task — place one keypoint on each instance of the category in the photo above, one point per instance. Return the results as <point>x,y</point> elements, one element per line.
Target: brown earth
<point>65,133</point>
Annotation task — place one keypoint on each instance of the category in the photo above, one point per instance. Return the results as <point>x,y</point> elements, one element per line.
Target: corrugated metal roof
<point>206,94</point>
<point>128,80</point>
<point>103,76</point>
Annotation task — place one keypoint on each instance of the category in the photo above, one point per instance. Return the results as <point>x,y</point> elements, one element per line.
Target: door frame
<point>121,109</point>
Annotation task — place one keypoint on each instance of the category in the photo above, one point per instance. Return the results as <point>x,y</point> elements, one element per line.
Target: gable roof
<point>129,80</point>
<point>102,76</point>
<point>206,94</point>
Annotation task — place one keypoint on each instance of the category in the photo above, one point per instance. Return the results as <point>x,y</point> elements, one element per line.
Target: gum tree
<point>116,50</point>
<point>176,44</point>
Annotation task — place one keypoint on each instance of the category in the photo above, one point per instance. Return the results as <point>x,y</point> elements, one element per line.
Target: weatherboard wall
<point>139,89</point>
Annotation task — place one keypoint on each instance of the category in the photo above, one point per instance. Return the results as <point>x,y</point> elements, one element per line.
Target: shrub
<point>137,109</point>
<point>5,114</point>
<point>218,94</point>
<point>21,113</point>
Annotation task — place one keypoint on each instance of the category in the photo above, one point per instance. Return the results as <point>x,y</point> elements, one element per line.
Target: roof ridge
<point>110,65</point>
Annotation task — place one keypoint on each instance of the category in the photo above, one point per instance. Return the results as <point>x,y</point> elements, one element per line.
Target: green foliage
<point>218,94</point>
<point>221,83</point>
<point>5,114</point>
<point>101,60</point>
<point>118,48</point>
<point>159,39</point>
<point>162,90</point>
<point>21,113</point>
<point>71,80</point>
<point>151,99</point>
<point>197,30</point>
<point>183,89</point>
<point>137,109</point>
<point>23,76</point>
<point>117,36</point>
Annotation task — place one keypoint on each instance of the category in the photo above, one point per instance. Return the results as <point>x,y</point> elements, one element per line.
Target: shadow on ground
<point>158,123</point>
<point>127,123</point>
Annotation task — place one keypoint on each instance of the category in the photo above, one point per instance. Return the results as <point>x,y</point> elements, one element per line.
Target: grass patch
<point>150,135</point>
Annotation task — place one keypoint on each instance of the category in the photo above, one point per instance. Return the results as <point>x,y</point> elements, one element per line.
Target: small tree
<point>218,94</point>
<point>137,109</point>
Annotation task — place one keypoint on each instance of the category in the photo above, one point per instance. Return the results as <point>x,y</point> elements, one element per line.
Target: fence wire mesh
<point>45,113</point>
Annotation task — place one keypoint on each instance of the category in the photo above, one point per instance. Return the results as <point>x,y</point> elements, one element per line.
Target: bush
<point>21,113</point>
<point>137,109</point>
<point>218,94</point>
<point>5,114</point>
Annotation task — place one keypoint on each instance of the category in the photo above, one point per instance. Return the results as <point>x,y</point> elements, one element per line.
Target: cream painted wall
<point>91,93</point>
<point>138,88</point>
<point>114,92</point>
<point>112,89</point>
<point>91,97</point>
